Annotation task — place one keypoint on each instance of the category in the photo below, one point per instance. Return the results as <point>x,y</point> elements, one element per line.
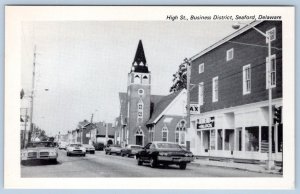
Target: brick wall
<point>230,72</point>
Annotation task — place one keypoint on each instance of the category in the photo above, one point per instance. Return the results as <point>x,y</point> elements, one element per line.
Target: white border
<point>15,15</point>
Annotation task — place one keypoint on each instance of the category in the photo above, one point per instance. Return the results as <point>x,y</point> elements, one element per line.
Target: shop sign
<point>205,123</point>
<point>194,109</point>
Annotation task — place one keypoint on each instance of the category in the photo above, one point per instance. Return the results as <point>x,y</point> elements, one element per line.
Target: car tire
<point>182,166</point>
<point>128,155</point>
<point>153,162</point>
<point>83,155</point>
<point>106,153</point>
<point>109,153</point>
<point>92,152</point>
<point>68,154</point>
<point>139,162</point>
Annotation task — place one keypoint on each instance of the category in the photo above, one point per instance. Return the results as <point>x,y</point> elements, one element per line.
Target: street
<point>101,165</point>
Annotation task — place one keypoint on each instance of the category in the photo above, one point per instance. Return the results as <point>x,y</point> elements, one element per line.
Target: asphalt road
<point>101,165</point>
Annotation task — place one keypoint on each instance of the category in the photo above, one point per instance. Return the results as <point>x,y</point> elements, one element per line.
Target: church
<point>145,117</point>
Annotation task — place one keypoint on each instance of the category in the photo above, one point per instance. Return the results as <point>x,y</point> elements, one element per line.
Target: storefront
<point>239,132</point>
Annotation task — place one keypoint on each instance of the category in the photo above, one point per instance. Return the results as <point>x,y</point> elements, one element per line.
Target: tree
<point>179,79</point>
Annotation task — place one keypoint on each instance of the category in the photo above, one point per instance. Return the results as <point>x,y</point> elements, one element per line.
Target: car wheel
<point>68,154</point>
<point>182,166</point>
<point>93,152</point>
<point>106,153</point>
<point>139,162</point>
<point>83,155</point>
<point>128,155</point>
<point>122,155</point>
<point>109,153</point>
<point>153,162</point>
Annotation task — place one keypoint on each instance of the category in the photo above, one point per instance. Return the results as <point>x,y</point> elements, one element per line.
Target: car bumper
<point>76,152</point>
<point>40,158</point>
<point>90,151</point>
<point>170,159</point>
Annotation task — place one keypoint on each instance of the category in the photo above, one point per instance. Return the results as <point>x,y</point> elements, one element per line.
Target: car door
<point>144,154</point>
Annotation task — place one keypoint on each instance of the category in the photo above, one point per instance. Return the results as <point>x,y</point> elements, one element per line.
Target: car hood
<point>39,149</point>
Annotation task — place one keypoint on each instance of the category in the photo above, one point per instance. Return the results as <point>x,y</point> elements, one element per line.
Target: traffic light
<point>277,114</point>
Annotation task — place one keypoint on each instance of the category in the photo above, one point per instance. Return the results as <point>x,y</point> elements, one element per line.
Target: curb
<point>239,168</point>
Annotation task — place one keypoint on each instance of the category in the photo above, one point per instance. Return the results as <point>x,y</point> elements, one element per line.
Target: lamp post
<point>270,162</point>
<point>188,82</point>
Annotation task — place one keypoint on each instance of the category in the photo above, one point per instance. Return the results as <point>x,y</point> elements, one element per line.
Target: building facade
<point>231,79</point>
<point>145,117</point>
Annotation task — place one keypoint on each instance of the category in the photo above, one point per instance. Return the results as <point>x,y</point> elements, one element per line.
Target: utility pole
<point>24,138</point>
<point>32,92</point>
<point>188,80</point>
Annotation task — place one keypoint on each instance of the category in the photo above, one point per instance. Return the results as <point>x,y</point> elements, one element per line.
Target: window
<point>273,72</point>
<point>272,34</point>
<point>229,54</point>
<point>215,89</point>
<point>140,109</point>
<point>201,93</point>
<point>165,134</point>
<point>180,132</point>
<point>201,68</point>
<point>151,134</point>
<point>247,79</point>
<point>141,91</point>
<point>140,114</point>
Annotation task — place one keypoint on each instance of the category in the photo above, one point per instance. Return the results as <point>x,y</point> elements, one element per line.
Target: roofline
<point>227,38</point>
<point>171,103</point>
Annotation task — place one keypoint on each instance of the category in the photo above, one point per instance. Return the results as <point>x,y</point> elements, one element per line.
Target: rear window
<point>167,145</point>
<point>75,145</point>
<point>136,147</point>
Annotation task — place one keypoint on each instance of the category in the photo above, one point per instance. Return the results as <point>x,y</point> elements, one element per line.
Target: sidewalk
<point>231,164</point>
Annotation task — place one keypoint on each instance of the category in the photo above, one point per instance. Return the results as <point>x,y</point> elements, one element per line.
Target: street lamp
<point>270,162</point>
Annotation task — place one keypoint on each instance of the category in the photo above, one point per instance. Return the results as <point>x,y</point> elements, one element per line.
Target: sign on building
<point>205,123</point>
<point>194,109</point>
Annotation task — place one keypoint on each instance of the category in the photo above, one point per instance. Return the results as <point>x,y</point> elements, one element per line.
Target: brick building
<point>231,80</point>
<point>145,117</point>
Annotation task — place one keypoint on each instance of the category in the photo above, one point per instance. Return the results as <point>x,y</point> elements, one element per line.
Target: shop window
<point>251,139</point>
<point>220,139</point>
<point>229,139</point>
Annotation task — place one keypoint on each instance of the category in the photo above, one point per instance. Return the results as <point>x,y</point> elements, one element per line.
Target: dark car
<point>130,150</point>
<point>99,146</point>
<point>165,153</point>
<point>113,149</point>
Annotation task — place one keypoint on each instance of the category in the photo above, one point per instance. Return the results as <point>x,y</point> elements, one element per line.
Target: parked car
<point>165,153</point>
<point>89,148</point>
<point>76,149</point>
<point>130,150</point>
<point>99,146</point>
<point>113,149</point>
<point>39,151</point>
<point>62,145</point>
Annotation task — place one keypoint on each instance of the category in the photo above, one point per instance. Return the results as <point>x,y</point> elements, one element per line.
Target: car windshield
<point>167,145</point>
<point>75,145</point>
<point>136,147</point>
<point>40,144</point>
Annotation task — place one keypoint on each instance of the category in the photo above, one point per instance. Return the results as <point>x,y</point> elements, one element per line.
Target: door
<point>139,140</point>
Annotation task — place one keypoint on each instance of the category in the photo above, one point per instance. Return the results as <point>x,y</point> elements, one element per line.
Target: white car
<point>76,149</point>
<point>62,145</point>
<point>89,148</point>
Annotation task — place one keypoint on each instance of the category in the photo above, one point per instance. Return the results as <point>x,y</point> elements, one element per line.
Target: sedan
<point>39,151</point>
<point>113,149</point>
<point>89,148</point>
<point>164,153</point>
<point>130,150</point>
<point>76,149</point>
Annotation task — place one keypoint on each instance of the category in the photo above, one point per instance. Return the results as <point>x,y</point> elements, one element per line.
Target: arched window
<point>137,79</point>
<point>140,107</point>
<point>139,132</point>
<point>180,132</point>
<point>165,132</point>
<point>145,79</point>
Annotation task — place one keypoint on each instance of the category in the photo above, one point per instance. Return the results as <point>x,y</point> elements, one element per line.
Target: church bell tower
<point>138,95</point>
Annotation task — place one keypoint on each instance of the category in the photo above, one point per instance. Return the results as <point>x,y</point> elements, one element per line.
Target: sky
<point>81,66</point>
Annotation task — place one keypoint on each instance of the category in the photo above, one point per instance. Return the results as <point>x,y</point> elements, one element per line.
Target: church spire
<point>139,63</point>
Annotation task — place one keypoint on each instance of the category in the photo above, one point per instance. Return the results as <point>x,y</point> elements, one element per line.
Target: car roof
<point>155,142</point>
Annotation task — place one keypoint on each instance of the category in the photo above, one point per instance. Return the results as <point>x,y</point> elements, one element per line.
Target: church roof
<point>160,106</point>
<point>139,63</point>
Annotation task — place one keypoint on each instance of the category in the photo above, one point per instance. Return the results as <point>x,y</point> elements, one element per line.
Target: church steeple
<point>139,63</point>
